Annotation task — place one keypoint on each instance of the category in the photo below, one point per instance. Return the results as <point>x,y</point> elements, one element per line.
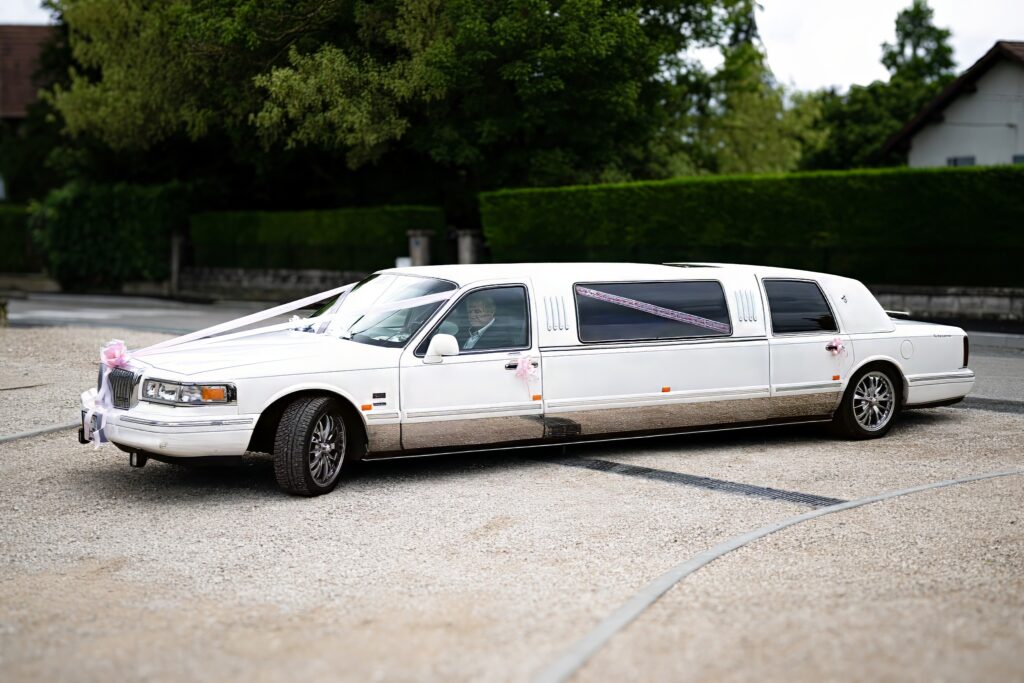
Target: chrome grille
<point>121,384</point>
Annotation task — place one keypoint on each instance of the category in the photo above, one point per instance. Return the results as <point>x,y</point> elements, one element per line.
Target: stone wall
<point>954,303</point>
<point>260,285</point>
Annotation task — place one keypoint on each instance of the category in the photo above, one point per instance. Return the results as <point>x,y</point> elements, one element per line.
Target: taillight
<point>967,350</point>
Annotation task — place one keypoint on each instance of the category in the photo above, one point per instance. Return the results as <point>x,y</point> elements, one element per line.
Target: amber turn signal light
<point>214,393</point>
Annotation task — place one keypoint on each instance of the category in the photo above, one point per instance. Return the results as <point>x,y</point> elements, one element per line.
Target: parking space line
<point>681,479</point>
<point>573,659</point>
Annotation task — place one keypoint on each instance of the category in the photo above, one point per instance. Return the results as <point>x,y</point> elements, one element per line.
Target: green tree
<point>466,94</point>
<point>752,125</point>
<point>856,125</point>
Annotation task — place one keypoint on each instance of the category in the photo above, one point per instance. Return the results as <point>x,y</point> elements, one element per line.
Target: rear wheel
<point>869,407</point>
<point>311,445</point>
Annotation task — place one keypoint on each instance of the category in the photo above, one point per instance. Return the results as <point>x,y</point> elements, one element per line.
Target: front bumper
<point>183,432</point>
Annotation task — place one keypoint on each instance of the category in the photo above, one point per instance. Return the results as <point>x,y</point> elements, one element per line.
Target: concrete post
<point>419,246</point>
<point>469,245</point>
<point>177,241</point>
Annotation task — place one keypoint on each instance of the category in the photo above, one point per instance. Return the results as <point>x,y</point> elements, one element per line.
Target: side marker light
<point>835,377</point>
<point>536,397</point>
<point>665,390</point>
<point>366,406</point>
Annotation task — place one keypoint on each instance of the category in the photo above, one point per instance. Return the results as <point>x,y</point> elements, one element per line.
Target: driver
<point>480,310</point>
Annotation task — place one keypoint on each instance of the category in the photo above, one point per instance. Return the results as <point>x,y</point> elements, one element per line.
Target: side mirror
<point>441,345</point>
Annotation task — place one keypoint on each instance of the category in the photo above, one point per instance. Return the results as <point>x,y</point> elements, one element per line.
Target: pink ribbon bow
<point>114,354</point>
<point>525,368</point>
<point>837,347</point>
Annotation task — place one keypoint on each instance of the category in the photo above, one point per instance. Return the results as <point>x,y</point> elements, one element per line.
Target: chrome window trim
<point>654,343</point>
<point>576,304</point>
<point>768,308</point>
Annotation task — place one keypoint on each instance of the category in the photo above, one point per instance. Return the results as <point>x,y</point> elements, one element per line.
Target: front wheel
<point>310,447</point>
<point>869,407</point>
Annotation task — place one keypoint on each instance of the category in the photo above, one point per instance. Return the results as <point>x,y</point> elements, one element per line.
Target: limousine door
<point>657,356</point>
<point>477,397</point>
<point>807,366</point>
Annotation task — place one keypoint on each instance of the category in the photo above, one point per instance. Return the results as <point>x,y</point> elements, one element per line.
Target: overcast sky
<point>813,43</point>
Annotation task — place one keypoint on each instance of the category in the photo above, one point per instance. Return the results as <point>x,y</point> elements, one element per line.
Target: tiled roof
<point>19,57</point>
<point>1004,49</point>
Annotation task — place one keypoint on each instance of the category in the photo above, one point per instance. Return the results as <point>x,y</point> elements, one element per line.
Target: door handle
<point>832,347</point>
<point>513,364</point>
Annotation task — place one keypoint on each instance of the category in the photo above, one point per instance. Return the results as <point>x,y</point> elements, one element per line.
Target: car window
<point>491,319</point>
<point>633,311</point>
<point>798,306</point>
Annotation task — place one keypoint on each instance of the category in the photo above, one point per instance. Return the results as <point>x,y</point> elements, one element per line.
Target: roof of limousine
<point>468,273</point>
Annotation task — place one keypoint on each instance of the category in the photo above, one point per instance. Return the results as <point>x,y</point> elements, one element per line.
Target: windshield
<point>390,324</point>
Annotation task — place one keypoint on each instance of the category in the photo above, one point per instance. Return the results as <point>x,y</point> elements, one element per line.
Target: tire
<point>313,441</point>
<point>870,405</point>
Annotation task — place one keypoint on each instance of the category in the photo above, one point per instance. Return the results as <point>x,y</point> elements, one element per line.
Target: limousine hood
<point>269,354</point>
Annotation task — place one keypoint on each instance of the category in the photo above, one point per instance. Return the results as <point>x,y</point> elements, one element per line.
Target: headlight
<point>178,393</point>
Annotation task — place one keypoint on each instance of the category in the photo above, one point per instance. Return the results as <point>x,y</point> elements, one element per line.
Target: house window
<point>798,306</point>
<point>960,161</point>
<point>1018,158</point>
<point>641,311</point>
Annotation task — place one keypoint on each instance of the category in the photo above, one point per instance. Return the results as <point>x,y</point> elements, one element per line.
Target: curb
<point>996,340</point>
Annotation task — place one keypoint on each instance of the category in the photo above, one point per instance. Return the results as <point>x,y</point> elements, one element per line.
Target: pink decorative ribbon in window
<point>659,311</point>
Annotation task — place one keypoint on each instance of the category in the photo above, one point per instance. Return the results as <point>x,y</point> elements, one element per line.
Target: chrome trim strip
<point>547,444</point>
<point>203,423</point>
<point>752,392</point>
<point>653,343</point>
<point>809,387</point>
<point>961,375</point>
<point>513,408</point>
<point>381,416</point>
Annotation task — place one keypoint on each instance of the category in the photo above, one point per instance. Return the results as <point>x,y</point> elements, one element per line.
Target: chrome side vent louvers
<point>554,313</point>
<point>746,307</point>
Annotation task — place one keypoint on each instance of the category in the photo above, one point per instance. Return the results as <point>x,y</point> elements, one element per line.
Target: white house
<point>977,120</point>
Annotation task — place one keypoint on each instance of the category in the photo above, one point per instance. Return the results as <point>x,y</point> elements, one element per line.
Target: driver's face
<point>480,313</point>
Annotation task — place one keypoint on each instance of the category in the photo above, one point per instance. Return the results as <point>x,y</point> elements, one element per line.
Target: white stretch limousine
<point>431,359</point>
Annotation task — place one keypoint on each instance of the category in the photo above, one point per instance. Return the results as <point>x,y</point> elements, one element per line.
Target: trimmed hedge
<point>96,237</point>
<point>962,226</point>
<point>337,239</point>
<point>16,252</point>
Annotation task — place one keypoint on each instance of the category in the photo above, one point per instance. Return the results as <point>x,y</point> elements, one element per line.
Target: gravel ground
<point>486,566</point>
<point>45,370</point>
<point>843,597</point>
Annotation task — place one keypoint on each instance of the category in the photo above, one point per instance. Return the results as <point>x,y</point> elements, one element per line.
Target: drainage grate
<point>699,482</point>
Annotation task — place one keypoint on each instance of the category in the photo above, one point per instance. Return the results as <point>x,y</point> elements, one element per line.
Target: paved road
<point>139,313</point>
<point>490,567</point>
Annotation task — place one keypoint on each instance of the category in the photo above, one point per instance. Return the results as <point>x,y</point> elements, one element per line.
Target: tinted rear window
<point>798,306</point>
<point>630,311</point>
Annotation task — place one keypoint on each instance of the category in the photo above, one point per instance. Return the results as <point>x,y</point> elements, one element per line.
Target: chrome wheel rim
<point>326,449</point>
<point>874,400</point>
